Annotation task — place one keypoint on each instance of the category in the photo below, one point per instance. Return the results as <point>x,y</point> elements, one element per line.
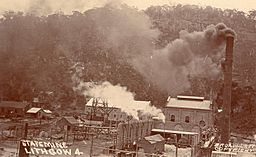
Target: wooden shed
<point>152,144</point>
<point>35,112</point>
<point>68,123</point>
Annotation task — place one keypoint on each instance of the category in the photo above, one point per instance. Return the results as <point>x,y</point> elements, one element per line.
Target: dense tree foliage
<point>37,54</point>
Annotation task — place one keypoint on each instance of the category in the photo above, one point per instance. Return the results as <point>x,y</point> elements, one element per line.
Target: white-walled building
<point>187,113</point>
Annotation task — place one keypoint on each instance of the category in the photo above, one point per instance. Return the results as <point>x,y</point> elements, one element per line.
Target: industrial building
<point>185,119</point>
<point>188,113</point>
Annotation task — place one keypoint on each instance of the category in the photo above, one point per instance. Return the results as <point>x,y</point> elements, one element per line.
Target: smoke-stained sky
<point>67,6</point>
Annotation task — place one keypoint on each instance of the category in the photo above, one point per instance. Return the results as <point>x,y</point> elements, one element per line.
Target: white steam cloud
<point>116,95</point>
<point>119,97</point>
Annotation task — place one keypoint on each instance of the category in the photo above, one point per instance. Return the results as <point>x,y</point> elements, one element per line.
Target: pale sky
<point>243,5</point>
<point>82,5</point>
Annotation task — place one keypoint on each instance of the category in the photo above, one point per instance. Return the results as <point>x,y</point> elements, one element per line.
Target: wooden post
<point>22,152</point>
<point>91,149</point>
<point>176,141</point>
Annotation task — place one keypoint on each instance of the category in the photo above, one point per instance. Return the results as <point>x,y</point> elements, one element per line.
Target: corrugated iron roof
<point>190,97</point>
<point>47,111</point>
<point>154,138</point>
<point>99,101</point>
<point>190,103</point>
<point>13,104</point>
<point>34,110</point>
<point>142,102</point>
<point>174,132</point>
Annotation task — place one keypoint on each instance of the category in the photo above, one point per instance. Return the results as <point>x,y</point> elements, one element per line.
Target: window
<point>202,123</point>
<point>187,119</point>
<point>114,115</point>
<point>204,137</point>
<point>172,118</point>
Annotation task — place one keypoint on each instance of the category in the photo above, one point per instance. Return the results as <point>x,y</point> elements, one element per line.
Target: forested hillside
<point>38,54</point>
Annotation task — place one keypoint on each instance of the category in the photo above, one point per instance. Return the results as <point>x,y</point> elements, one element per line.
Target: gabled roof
<point>71,120</point>
<point>13,104</point>
<point>154,138</point>
<point>189,102</point>
<point>37,109</point>
<point>34,110</point>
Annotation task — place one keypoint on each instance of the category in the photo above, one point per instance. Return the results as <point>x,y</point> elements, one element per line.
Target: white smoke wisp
<point>79,85</point>
<point>120,97</point>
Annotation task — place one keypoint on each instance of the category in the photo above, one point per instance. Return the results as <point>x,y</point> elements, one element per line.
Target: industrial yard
<point>114,133</point>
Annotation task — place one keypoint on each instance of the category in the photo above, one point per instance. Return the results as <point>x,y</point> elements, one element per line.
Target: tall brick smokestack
<point>227,88</point>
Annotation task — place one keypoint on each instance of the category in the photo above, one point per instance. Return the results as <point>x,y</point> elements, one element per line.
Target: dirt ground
<point>10,149</point>
<point>170,150</point>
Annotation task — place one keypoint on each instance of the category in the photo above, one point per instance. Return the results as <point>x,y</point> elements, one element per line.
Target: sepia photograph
<point>127,78</point>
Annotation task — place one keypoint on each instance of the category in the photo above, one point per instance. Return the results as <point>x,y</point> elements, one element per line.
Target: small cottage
<point>36,112</point>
